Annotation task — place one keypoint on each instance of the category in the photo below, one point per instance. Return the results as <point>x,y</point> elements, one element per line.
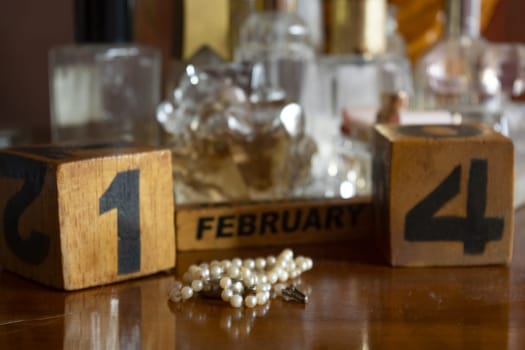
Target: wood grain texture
<point>355,303</point>
<point>106,212</point>
<point>444,195</point>
<point>272,223</point>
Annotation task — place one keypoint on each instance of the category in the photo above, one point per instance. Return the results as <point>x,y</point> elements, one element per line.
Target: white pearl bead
<point>260,263</point>
<point>261,298</point>
<point>226,264</point>
<point>205,273</point>
<point>303,265</point>
<point>197,285</point>
<point>263,287</point>
<point>237,287</point>
<point>250,301</point>
<point>186,292</point>
<point>262,278</point>
<point>280,263</point>
<point>309,263</point>
<point>278,288</point>
<point>225,282</point>
<point>193,268</point>
<point>250,281</point>
<point>246,273</point>
<point>277,270</point>
<point>283,276</point>
<point>255,278</point>
<point>187,277</point>
<point>236,300</point>
<point>226,294</point>
<point>237,262</point>
<point>286,254</point>
<point>175,295</point>
<point>272,276</point>
<point>233,271</point>
<point>249,264</point>
<point>270,261</point>
<point>196,273</point>
<point>215,271</point>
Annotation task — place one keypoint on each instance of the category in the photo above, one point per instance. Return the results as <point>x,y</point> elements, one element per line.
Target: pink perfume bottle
<point>446,77</point>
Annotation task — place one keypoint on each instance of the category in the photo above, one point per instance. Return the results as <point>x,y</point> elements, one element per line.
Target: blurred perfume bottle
<point>502,77</point>
<point>358,49</point>
<point>104,89</point>
<point>395,43</point>
<point>280,40</point>
<point>355,49</point>
<point>201,34</point>
<point>311,12</point>
<point>240,10</point>
<point>394,98</point>
<point>446,77</point>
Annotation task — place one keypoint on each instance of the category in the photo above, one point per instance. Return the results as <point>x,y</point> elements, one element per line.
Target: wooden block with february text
<point>443,194</point>
<point>270,223</point>
<point>80,216</point>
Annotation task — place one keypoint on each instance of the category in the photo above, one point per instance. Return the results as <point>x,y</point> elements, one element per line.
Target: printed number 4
<point>474,230</point>
<point>123,194</point>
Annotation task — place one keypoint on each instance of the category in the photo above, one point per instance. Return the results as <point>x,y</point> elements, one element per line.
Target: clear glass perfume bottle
<point>280,40</point>
<point>358,49</point>
<point>502,77</point>
<point>395,43</point>
<point>356,54</point>
<point>104,88</point>
<point>446,77</point>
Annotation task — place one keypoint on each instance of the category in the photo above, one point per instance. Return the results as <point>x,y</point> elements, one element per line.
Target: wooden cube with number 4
<point>81,216</point>
<point>443,194</point>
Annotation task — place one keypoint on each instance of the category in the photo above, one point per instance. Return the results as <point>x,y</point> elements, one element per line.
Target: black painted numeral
<point>35,248</point>
<point>474,230</point>
<point>123,194</point>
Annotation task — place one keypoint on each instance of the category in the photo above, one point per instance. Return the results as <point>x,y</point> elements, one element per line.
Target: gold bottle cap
<point>356,26</point>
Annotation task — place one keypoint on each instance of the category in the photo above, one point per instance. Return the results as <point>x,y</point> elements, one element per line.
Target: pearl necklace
<point>248,282</point>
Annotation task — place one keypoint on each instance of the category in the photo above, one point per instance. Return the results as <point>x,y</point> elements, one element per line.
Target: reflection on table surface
<point>356,302</point>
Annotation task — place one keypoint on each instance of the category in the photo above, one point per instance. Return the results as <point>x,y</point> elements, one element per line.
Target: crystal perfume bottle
<point>447,76</point>
<point>233,137</point>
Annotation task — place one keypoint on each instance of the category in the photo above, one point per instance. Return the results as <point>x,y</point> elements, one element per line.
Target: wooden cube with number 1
<point>80,216</point>
<point>443,194</point>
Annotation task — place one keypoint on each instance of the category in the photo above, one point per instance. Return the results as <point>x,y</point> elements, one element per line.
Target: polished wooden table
<point>356,302</point>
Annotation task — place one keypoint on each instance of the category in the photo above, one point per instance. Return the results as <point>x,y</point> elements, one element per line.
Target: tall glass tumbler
<point>104,93</point>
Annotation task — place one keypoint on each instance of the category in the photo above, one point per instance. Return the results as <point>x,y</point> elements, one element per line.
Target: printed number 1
<point>123,194</point>
<point>474,230</point>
